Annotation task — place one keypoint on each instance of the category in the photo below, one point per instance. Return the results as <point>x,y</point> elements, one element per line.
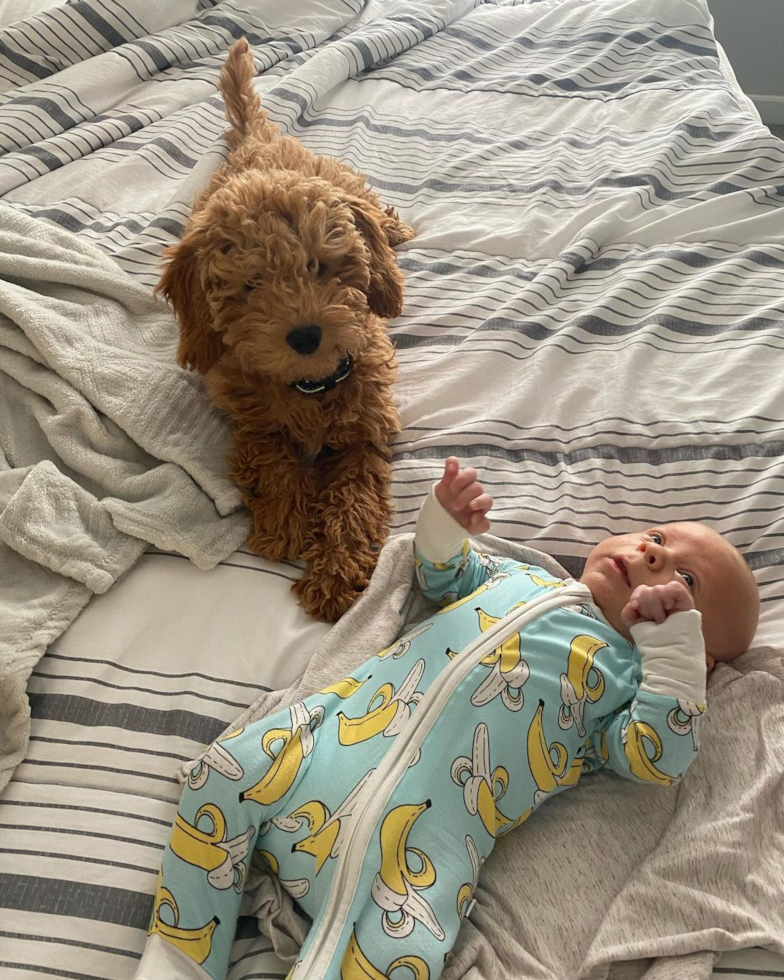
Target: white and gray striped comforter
<point>594,319</point>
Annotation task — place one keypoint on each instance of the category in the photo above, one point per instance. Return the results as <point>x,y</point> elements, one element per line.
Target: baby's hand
<point>654,603</point>
<point>463,497</point>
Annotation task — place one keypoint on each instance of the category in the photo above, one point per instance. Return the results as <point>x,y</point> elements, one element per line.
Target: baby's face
<point>720,582</point>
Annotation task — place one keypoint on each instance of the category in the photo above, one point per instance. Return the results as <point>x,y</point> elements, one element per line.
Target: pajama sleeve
<point>654,739</point>
<point>447,566</point>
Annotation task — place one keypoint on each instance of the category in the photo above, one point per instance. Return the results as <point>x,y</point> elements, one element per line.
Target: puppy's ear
<point>385,293</point>
<point>200,346</point>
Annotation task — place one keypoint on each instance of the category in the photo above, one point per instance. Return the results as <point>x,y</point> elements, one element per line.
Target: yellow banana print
<point>465,893</point>
<point>195,943</point>
<point>635,737</point>
<point>328,830</point>
<point>391,713</point>
<point>509,671</point>
<point>297,745</point>
<point>345,688</point>
<point>546,583</point>
<point>222,859</point>
<point>516,823</point>
<point>401,646</point>
<point>396,886</point>
<point>576,688</point>
<point>547,774</point>
<point>356,966</point>
<point>604,752</point>
<point>482,787</point>
<point>322,838</point>
<point>296,887</point>
<point>214,757</point>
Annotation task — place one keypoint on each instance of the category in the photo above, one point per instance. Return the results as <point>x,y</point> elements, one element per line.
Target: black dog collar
<point>323,385</point>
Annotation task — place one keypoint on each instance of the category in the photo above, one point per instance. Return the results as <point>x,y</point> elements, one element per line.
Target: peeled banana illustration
<point>576,688</point>
<point>327,830</point>
<point>509,671</point>
<point>391,713</point>
<point>599,754</point>
<point>491,562</point>
<point>637,736</point>
<point>223,860</point>
<point>356,966</point>
<point>195,943</point>
<point>297,744</point>
<point>345,688</point>
<point>547,774</point>
<point>451,600</point>
<point>217,758</point>
<point>466,893</point>
<point>397,885</point>
<point>685,719</point>
<point>482,787</point>
<point>296,887</point>
<point>401,647</point>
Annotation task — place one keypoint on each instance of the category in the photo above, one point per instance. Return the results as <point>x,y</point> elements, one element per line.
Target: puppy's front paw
<point>276,536</point>
<point>328,594</point>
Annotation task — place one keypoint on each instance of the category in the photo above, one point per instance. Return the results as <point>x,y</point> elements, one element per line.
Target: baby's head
<point>720,581</point>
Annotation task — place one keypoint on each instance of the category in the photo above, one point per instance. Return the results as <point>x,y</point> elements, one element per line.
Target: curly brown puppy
<point>279,283</point>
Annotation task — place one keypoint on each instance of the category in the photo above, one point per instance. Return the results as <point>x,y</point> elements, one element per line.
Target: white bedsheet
<point>594,319</point>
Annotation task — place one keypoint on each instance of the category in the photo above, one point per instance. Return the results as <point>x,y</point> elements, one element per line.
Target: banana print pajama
<point>557,700</point>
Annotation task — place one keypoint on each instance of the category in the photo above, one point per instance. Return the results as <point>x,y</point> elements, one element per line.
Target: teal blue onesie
<point>377,800</point>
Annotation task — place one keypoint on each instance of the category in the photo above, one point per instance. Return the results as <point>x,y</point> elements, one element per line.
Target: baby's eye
<point>656,538</point>
<point>688,578</point>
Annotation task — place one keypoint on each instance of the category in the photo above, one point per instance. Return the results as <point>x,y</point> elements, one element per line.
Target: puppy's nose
<point>304,340</point>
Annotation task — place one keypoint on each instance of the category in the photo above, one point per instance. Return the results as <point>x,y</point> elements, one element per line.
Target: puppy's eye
<point>250,286</point>
<point>315,267</point>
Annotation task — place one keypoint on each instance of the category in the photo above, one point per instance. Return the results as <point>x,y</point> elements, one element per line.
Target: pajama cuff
<point>673,656</point>
<point>438,536</point>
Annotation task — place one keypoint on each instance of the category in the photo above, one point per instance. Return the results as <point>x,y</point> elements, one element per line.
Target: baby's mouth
<point>620,566</point>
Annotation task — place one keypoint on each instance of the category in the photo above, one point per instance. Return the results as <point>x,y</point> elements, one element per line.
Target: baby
<point>377,800</point>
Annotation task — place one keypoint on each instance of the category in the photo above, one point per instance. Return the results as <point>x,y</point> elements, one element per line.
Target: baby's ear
<point>385,292</point>
<point>200,345</point>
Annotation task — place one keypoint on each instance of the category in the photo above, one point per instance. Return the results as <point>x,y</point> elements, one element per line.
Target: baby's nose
<point>652,554</point>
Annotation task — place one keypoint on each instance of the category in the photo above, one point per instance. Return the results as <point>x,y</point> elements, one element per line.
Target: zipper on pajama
<point>395,763</point>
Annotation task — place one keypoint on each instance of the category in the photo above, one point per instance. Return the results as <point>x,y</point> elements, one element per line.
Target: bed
<point>594,303</point>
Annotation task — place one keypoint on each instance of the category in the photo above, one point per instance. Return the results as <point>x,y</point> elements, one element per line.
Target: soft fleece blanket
<point>612,879</point>
<point>105,445</point>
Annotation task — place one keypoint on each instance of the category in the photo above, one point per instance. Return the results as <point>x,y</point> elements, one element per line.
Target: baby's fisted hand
<point>461,495</point>
<point>654,603</point>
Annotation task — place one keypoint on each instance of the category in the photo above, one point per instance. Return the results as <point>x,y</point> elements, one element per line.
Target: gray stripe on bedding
<point>53,896</point>
<point>132,717</point>
<point>157,673</point>
<point>63,941</point>
<point>87,809</point>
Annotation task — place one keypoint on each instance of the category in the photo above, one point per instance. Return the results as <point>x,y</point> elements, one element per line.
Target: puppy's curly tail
<point>243,109</point>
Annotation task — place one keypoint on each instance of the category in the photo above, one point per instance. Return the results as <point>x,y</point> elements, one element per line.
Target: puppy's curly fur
<point>284,269</point>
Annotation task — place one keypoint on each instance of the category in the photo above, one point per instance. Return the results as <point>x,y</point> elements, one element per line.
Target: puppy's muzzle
<point>304,340</point>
